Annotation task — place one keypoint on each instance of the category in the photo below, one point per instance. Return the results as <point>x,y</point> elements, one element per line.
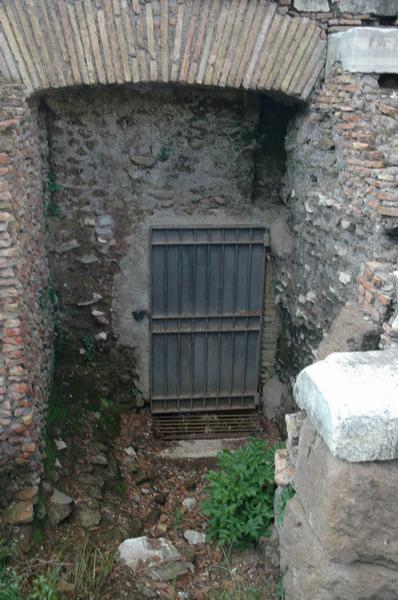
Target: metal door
<point>207,298</point>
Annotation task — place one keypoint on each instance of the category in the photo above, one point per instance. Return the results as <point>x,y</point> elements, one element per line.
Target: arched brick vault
<point>228,43</point>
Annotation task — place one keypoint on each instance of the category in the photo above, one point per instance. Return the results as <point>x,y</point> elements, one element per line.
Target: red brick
<point>383,299</point>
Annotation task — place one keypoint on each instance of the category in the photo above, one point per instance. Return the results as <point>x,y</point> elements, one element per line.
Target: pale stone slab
<point>364,50</point>
<point>195,449</point>
<point>352,400</point>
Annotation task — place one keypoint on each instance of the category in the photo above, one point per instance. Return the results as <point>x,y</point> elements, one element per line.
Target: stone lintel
<point>364,50</point>
<point>352,401</point>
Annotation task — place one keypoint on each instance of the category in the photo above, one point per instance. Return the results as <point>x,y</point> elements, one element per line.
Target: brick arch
<point>228,43</point>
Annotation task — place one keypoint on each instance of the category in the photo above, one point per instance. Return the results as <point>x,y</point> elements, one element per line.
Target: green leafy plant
<point>286,494</point>
<point>241,494</point>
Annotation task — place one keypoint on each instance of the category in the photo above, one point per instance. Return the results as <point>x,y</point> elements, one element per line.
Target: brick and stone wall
<point>24,326</point>
<point>341,192</point>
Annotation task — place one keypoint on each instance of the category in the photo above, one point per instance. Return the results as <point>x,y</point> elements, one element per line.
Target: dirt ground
<point>111,465</point>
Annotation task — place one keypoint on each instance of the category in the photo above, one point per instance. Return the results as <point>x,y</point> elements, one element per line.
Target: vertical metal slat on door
<point>207,296</point>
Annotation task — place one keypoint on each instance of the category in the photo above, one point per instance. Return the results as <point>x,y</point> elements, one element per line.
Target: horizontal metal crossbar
<point>185,426</point>
<point>179,330</point>
<point>212,243</point>
<point>236,315</point>
<point>202,397</point>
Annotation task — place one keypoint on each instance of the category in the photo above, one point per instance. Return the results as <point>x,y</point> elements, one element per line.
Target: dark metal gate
<point>207,299</point>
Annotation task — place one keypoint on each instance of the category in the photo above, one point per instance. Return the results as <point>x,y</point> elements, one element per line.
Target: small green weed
<point>108,426</point>
<point>39,535</point>
<point>164,153</point>
<point>84,566</point>
<point>287,493</point>
<point>52,186</point>
<point>120,488</point>
<point>48,299</point>
<point>134,392</point>
<point>88,342</point>
<point>241,494</point>
<point>233,590</point>
<point>280,590</point>
<point>178,517</point>
<point>90,571</point>
<point>238,593</point>
<point>10,582</point>
<point>53,209</point>
<point>44,587</point>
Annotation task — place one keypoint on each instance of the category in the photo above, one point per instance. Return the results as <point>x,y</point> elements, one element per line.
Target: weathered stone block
<point>349,332</point>
<point>283,468</point>
<point>311,575</point>
<point>282,240</point>
<point>312,5</point>
<point>277,400</point>
<point>364,50</point>
<point>294,423</point>
<point>351,398</point>
<point>351,507</point>
<point>386,8</point>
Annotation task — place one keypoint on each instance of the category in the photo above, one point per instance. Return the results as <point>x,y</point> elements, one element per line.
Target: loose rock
<point>170,571</point>
<point>194,537</point>
<point>90,518</point>
<point>134,550</point>
<point>20,513</point>
<point>189,503</point>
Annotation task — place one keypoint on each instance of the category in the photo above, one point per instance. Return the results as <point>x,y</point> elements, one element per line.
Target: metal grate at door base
<point>206,425</point>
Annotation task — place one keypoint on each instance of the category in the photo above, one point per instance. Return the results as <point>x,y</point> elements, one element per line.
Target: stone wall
<point>338,537</point>
<point>24,315</point>
<point>181,157</point>
<point>340,189</point>
<point>341,15</point>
